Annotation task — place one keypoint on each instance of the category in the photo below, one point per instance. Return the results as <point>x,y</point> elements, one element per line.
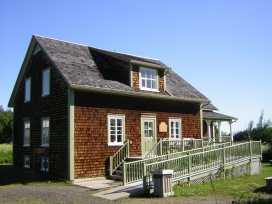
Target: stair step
<point>118,172</point>
<point>117,177</point>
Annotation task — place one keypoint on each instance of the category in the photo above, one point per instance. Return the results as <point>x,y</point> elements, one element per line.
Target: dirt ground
<point>73,194</point>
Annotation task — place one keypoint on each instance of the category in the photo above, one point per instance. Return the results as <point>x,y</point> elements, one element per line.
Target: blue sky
<point>223,48</point>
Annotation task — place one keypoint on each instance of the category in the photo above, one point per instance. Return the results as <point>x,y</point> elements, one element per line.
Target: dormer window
<point>148,79</point>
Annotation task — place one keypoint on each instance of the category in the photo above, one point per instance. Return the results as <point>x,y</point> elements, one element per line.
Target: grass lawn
<point>242,187</point>
<point>5,153</point>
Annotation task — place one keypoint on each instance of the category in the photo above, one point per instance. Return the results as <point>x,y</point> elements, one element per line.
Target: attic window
<point>37,49</point>
<point>148,79</point>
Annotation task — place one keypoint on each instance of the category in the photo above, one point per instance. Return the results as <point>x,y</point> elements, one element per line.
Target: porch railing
<point>120,156</point>
<point>187,166</point>
<point>168,146</point>
<point>187,163</point>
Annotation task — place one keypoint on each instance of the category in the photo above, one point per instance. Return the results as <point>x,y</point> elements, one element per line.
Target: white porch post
<point>209,129</point>
<point>219,129</point>
<point>231,134</point>
<point>213,131</point>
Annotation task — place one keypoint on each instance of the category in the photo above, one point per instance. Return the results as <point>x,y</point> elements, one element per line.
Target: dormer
<point>148,78</point>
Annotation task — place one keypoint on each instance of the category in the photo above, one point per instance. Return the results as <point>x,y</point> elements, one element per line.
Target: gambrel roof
<point>84,67</point>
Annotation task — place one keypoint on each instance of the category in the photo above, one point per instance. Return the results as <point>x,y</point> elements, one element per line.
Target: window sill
<point>44,95</point>
<point>26,145</point>
<point>151,90</point>
<point>45,170</point>
<point>26,167</point>
<point>45,145</point>
<point>116,145</point>
<point>27,101</point>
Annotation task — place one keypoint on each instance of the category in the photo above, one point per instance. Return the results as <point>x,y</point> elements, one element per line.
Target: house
<point>75,106</point>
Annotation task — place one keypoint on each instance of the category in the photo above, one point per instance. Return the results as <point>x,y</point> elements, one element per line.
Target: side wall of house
<point>91,134</point>
<point>55,107</point>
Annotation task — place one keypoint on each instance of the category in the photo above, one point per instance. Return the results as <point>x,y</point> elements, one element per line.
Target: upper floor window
<point>46,82</point>
<point>148,79</point>
<point>116,129</point>
<point>45,132</point>
<point>175,128</point>
<point>26,132</point>
<point>27,89</point>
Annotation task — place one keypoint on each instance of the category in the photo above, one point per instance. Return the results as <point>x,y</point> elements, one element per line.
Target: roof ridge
<point>96,47</point>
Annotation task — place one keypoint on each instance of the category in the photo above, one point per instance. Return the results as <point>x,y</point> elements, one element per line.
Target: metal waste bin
<point>269,184</point>
<point>162,180</point>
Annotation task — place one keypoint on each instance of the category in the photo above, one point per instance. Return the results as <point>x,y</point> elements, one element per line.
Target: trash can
<point>162,180</point>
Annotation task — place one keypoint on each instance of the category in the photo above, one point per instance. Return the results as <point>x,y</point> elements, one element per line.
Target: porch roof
<point>209,115</point>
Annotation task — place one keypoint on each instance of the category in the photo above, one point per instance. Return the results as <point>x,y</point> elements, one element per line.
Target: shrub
<point>6,153</point>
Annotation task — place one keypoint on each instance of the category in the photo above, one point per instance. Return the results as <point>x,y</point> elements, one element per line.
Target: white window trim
<point>140,80</point>
<point>44,159</point>
<point>28,97</point>
<point>26,158</point>
<point>45,144</point>
<point>44,84</point>
<point>27,121</point>
<point>180,131</point>
<point>116,116</point>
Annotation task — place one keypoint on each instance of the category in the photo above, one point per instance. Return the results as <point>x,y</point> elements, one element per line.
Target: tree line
<point>6,124</point>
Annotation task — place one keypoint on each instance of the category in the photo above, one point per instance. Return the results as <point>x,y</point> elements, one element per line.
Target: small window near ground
<point>27,89</point>
<point>46,82</point>
<point>45,164</point>
<point>148,79</point>
<point>45,132</point>
<point>116,129</point>
<point>27,133</point>
<point>175,128</point>
<point>26,161</point>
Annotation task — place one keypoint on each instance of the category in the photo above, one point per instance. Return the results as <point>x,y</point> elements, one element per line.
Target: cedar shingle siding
<point>91,134</point>
<point>54,106</point>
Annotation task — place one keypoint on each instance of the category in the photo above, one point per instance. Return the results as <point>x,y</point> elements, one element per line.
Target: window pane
<point>148,85</point>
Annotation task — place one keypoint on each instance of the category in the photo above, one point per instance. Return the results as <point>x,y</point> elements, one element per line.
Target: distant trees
<point>6,118</point>
<point>262,131</point>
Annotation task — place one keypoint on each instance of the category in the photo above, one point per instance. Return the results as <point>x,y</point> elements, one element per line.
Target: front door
<point>148,132</point>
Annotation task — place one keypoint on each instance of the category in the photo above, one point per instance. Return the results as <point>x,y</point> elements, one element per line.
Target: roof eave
<point>134,94</point>
<point>146,64</point>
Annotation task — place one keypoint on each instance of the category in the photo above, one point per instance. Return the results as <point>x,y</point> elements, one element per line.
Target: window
<point>27,89</point>
<point>26,161</point>
<point>45,164</point>
<point>37,49</point>
<point>45,132</point>
<point>46,82</point>
<point>175,128</point>
<point>26,133</point>
<point>116,129</point>
<point>148,79</point>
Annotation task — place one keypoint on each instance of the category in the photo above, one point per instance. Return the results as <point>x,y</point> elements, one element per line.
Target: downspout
<point>71,114</point>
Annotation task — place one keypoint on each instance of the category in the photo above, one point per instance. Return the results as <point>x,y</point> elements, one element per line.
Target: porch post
<point>213,131</point>
<point>209,128</point>
<point>219,129</point>
<point>231,134</point>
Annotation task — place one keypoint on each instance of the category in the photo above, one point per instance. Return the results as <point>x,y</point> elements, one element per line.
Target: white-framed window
<point>116,129</point>
<point>148,79</point>
<point>175,128</point>
<point>45,164</point>
<point>46,82</point>
<point>27,89</point>
<point>26,133</point>
<point>45,132</point>
<point>27,161</point>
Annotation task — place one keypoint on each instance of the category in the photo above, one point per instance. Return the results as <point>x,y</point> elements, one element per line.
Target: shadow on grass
<point>10,175</point>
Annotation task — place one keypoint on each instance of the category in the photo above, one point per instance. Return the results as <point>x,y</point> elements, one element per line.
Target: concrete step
<point>117,177</point>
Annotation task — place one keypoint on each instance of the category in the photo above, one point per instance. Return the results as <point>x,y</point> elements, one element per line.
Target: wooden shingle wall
<point>54,106</point>
<point>91,134</point>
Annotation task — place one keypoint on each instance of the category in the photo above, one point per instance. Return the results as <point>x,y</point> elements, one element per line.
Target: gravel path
<point>73,194</point>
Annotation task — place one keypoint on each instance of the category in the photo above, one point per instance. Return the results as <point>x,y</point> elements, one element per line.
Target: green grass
<point>246,187</point>
<point>5,153</point>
